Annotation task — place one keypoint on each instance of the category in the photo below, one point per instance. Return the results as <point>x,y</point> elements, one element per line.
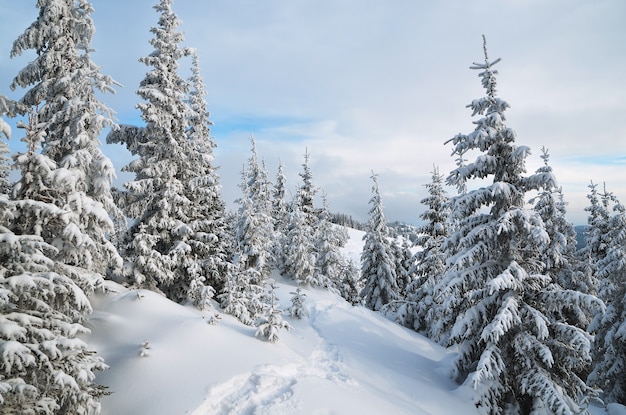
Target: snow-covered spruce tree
<point>253,243</point>
<point>299,249</point>
<point>305,195</point>
<point>243,289</point>
<point>44,367</point>
<point>62,105</point>
<point>609,352</point>
<point>297,308</point>
<point>241,296</point>
<point>280,207</point>
<point>156,199</point>
<point>270,325</point>
<point>597,239</point>
<point>5,166</point>
<point>377,263</point>
<point>299,244</point>
<point>328,241</point>
<point>350,286</point>
<point>559,255</point>
<point>403,257</point>
<point>496,305</point>
<point>209,234</point>
<point>177,242</point>
<point>416,311</point>
<point>280,217</point>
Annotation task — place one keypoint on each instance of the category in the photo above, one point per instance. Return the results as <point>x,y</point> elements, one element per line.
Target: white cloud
<point>373,85</point>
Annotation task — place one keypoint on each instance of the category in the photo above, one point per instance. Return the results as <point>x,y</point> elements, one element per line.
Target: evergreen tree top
<point>488,75</point>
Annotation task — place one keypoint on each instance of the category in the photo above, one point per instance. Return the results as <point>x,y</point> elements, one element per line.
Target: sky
<point>373,86</point>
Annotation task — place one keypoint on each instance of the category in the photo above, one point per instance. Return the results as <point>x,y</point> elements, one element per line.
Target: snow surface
<point>166,358</point>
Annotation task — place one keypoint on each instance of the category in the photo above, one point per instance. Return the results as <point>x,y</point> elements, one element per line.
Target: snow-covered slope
<point>167,359</point>
<point>339,359</point>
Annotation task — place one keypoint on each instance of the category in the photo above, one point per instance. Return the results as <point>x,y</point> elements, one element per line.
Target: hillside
<point>166,359</point>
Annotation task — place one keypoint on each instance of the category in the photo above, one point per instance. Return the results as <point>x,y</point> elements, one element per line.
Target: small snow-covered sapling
<point>297,309</point>
<point>145,347</point>
<point>268,326</point>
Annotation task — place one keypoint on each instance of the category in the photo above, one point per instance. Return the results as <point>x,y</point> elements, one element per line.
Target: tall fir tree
<point>305,195</point>
<point>178,241</point>
<point>63,107</point>
<point>497,306</point>
<point>597,239</point>
<point>559,256</point>
<point>54,231</point>
<point>403,258</point>
<point>254,223</point>
<point>7,107</point>
<point>610,327</point>
<point>328,240</point>
<point>155,198</point>
<point>243,289</point>
<point>280,207</point>
<point>428,262</point>
<point>377,263</point>
<point>299,248</point>
<point>280,217</point>
<point>350,284</point>
<point>5,165</point>
<point>209,238</point>
<point>45,368</point>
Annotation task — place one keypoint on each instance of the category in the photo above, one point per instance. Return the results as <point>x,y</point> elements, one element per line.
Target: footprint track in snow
<point>269,389</point>
<point>258,393</point>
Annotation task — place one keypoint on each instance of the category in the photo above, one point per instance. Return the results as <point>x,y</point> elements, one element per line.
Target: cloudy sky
<point>378,85</point>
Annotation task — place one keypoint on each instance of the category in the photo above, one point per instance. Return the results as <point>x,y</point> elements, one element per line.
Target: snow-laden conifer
<point>495,303</point>
<point>178,243</point>
<point>428,263</point>
<point>402,256</point>
<point>241,295</point>
<point>559,256</point>
<point>610,327</point>
<point>350,284</point>
<point>328,241</point>
<point>210,240</point>
<point>377,263</point>
<point>5,133</point>
<point>253,243</point>
<point>243,288</point>
<point>280,207</point>
<point>156,199</point>
<point>297,308</point>
<point>269,326</point>
<point>597,238</point>
<point>299,249</point>
<point>305,196</point>
<point>44,366</point>
<point>280,216</point>
<point>56,227</point>
<point>62,106</point>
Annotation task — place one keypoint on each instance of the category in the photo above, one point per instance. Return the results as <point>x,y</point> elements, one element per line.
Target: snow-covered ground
<point>167,359</point>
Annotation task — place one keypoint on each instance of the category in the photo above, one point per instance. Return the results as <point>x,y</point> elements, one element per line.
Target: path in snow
<point>270,389</point>
<point>341,362</point>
